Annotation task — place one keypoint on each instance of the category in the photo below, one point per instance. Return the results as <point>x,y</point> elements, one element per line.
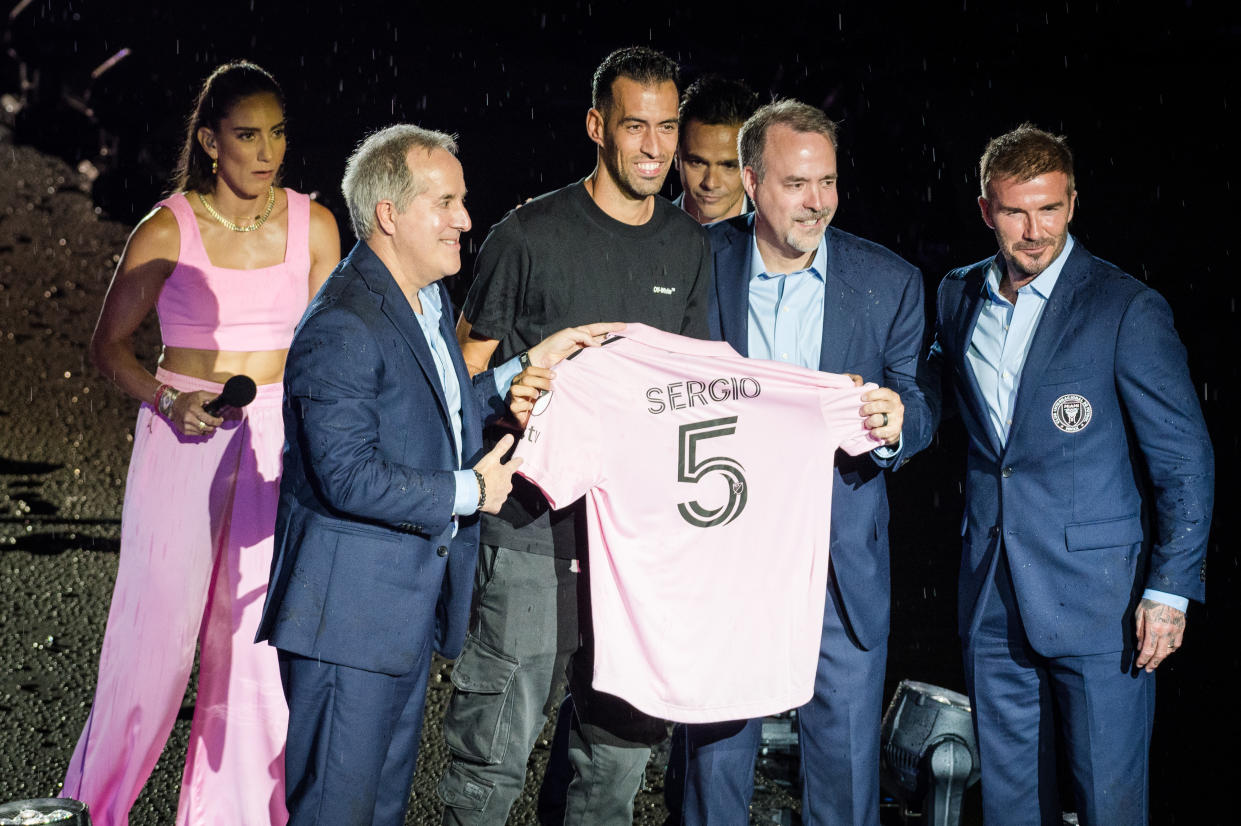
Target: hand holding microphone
<point>195,413</point>
<point>238,392</point>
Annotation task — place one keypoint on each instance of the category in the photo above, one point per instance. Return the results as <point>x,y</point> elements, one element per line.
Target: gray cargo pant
<point>509,678</point>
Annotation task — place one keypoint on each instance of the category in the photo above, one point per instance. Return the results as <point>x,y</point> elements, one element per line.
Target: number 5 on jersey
<point>690,469</point>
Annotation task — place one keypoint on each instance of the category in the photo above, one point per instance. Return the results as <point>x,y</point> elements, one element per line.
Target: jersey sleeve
<point>841,407</point>
<point>500,274</point>
<point>560,447</point>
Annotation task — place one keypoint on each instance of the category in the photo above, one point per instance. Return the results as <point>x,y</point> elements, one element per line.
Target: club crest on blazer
<point>1071,412</point>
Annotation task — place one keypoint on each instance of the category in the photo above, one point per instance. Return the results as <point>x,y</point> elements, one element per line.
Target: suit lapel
<point>732,284</point>
<point>840,310</point>
<point>395,307</point>
<point>966,319</point>
<point>471,420</point>
<point>1051,328</point>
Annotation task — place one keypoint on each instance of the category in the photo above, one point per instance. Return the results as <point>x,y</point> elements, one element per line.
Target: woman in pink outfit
<point>229,262</point>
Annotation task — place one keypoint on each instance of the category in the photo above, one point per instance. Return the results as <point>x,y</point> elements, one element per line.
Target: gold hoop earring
<point>215,166</point>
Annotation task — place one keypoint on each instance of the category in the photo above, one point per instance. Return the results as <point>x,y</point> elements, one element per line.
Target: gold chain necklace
<point>271,204</point>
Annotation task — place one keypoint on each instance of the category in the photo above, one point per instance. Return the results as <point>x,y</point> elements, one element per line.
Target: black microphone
<point>238,392</point>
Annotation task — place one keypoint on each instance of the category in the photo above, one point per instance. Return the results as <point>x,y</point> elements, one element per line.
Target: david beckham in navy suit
<point>1088,498</point>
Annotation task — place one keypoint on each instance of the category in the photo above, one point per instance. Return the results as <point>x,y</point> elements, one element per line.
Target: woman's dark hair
<point>223,89</point>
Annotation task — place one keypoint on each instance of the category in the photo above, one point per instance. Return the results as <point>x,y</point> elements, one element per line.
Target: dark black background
<point>1146,93</point>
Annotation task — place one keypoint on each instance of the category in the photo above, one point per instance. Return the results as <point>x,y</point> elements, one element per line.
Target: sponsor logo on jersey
<point>1071,412</point>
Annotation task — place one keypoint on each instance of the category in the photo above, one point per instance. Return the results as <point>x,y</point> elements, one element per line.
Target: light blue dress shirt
<point>786,310</point>
<point>1002,336</point>
<point>786,315</point>
<point>999,347</point>
<point>465,500</point>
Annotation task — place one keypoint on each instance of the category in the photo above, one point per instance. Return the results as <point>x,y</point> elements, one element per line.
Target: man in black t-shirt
<point>605,248</point>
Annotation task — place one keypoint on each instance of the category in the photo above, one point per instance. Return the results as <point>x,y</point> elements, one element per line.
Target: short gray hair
<point>377,171</point>
<point>798,116</point>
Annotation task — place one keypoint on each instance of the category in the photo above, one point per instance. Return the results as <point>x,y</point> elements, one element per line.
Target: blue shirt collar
<point>817,267</point>
<point>429,297</point>
<point>1043,283</point>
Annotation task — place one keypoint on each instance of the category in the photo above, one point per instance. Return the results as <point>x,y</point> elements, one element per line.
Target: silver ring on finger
<point>885,420</point>
<point>202,425</point>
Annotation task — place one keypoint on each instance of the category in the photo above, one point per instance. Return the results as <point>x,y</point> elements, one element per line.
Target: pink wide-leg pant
<point>196,546</point>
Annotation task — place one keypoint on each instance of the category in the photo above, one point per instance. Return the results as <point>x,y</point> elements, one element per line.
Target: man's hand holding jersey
<point>884,413</point>
<point>536,378</point>
<point>495,476</point>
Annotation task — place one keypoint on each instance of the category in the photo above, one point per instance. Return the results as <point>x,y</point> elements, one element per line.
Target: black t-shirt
<point>560,261</point>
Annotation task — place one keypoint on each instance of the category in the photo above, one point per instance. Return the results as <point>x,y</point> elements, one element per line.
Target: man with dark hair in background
<point>712,111</point>
<point>606,247</point>
<point>790,288</point>
<point>1088,499</point>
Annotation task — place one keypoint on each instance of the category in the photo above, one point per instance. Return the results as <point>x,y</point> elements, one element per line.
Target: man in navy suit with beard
<point>1088,497</point>
<point>790,288</point>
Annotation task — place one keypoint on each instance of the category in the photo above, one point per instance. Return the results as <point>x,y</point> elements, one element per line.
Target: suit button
<point>1006,472</point>
<point>994,531</point>
<point>442,550</point>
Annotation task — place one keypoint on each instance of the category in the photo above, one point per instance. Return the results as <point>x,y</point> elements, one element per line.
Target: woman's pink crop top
<point>206,307</point>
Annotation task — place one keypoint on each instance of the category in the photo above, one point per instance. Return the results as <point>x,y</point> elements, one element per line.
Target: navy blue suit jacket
<point>874,325</point>
<point>1091,516</point>
<point>366,567</point>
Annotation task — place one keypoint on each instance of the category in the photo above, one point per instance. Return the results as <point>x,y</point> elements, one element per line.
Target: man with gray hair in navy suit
<point>384,479</point>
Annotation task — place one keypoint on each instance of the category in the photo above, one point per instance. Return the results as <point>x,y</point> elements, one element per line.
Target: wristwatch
<point>524,359</point>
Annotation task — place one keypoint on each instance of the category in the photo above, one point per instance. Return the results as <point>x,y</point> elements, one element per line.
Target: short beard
<point>794,240</point>
<point>622,181</point>
<point>1026,275</point>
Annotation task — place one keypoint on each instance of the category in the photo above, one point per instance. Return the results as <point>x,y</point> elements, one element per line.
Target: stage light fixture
<point>928,754</point>
<point>53,811</point>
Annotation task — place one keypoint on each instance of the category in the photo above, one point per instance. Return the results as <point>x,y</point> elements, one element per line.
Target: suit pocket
<point>1105,533</point>
<point>379,601</point>
<point>1060,373</point>
<point>376,533</point>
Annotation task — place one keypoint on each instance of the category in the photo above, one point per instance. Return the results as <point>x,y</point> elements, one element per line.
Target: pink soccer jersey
<point>708,479</point>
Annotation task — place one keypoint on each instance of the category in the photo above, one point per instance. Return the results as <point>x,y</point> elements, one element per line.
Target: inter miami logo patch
<point>1070,412</point>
